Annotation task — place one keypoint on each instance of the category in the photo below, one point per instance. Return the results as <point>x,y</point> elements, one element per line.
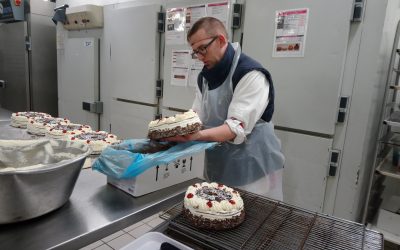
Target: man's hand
<point>218,134</point>
<point>183,138</point>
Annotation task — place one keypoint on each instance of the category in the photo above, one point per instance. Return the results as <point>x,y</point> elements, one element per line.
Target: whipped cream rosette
<point>97,140</point>
<point>38,125</point>
<point>64,131</point>
<point>213,206</point>
<point>180,124</point>
<point>20,119</point>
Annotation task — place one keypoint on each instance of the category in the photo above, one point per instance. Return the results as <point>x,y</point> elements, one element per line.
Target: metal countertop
<point>5,115</point>
<point>94,211</point>
<point>10,133</point>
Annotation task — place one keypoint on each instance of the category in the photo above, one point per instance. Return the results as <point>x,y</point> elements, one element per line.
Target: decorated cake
<point>213,206</point>
<point>63,131</point>
<point>37,125</point>
<point>180,124</point>
<point>20,119</point>
<point>97,140</point>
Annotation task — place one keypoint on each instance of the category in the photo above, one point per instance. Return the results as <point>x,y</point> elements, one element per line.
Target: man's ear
<point>222,40</point>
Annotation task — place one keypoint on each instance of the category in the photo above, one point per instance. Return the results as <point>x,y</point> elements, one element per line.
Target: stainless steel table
<point>5,114</point>
<point>10,133</point>
<point>94,211</point>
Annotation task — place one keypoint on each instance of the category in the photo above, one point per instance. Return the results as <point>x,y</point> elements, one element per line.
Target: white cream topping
<point>24,116</point>
<point>168,126</point>
<point>98,145</point>
<point>184,119</point>
<point>38,125</point>
<point>213,216</point>
<point>18,124</point>
<point>55,133</point>
<point>219,209</point>
<point>20,119</point>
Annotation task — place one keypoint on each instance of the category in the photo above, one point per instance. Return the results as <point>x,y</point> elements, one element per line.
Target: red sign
<point>17,2</point>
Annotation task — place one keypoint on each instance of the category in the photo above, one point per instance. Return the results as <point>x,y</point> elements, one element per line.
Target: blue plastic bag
<point>126,160</point>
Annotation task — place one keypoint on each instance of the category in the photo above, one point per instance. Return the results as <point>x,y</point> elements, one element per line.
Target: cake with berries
<point>64,131</point>
<point>180,124</point>
<point>20,119</point>
<point>97,140</point>
<point>38,125</point>
<point>213,206</point>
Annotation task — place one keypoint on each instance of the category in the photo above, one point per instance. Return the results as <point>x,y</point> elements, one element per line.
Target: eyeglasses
<point>202,50</point>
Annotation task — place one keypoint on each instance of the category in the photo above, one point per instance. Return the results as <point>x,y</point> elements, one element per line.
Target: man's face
<point>210,49</point>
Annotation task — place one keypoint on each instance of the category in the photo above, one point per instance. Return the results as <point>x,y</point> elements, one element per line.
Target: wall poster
<point>219,11</point>
<point>180,65</point>
<point>290,33</point>
<point>193,14</point>
<point>175,26</point>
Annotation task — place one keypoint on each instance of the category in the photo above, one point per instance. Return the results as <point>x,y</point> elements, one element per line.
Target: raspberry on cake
<point>213,206</point>
<point>20,119</point>
<point>180,124</point>
<point>37,125</point>
<point>61,131</point>
<point>97,140</point>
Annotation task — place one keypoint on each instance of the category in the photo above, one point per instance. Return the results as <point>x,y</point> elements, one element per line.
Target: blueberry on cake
<point>180,124</point>
<point>213,206</point>
<point>97,140</point>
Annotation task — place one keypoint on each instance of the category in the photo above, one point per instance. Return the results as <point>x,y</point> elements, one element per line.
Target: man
<point>235,102</point>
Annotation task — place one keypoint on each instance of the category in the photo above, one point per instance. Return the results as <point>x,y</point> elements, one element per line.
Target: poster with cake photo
<point>181,63</point>
<point>290,32</point>
<point>175,26</point>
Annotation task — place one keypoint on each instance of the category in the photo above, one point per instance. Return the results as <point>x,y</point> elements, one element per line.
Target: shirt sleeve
<point>196,106</point>
<point>249,101</point>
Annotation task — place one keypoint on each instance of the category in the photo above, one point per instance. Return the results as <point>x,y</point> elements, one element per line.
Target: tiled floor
<point>122,238</point>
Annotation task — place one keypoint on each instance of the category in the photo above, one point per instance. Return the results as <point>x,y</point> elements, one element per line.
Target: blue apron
<point>238,164</point>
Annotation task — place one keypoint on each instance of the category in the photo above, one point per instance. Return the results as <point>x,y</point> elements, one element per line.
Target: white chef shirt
<point>249,101</point>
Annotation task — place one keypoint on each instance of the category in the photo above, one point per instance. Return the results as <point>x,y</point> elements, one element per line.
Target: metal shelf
<point>386,167</point>
<point>386,235</point>
<point>392,139</point>
<point>391,105</point>
<point>396,87</point>
<point>394,119</point>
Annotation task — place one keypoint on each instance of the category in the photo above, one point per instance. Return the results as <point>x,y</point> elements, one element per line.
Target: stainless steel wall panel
<point>14,67</point>
<point>133,52</point>
<point>79,80</point>
<point>130,120</point>
<point>43,65</point>
<point>304,177</point>
<point>307,88</point>
<point>40,7</point>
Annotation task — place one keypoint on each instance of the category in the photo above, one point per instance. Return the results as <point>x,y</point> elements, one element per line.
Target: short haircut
<point>211,25</point>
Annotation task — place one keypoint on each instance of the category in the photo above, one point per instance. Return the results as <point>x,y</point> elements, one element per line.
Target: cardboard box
<point>161,176</point>
<point>389,215</point>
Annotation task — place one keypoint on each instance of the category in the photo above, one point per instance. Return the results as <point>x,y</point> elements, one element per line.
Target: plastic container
<point>153,240</point>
